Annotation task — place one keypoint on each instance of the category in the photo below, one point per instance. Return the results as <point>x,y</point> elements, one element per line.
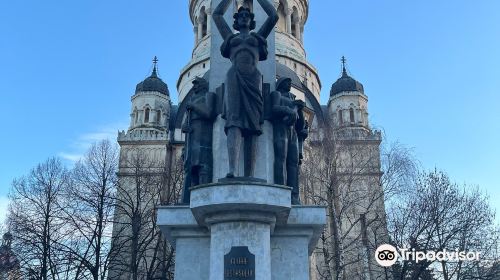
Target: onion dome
<point>153,83</point>
<point>346,83</point>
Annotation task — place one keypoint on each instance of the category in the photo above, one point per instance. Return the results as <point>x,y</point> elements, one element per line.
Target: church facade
<point>341,146</point>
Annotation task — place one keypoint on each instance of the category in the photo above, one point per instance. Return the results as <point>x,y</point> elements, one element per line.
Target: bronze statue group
<point>245,107</point>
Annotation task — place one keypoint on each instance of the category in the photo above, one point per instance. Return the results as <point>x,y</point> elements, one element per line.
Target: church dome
<point>346,83</point>
<point>152,83</point>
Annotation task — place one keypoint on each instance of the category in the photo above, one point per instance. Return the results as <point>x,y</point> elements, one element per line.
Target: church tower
<point>136,241</point>
<point>348,105</point>
<point>149,119</point>
<point>359,206</point>
<point>290,52</point>
<point>150,110</point>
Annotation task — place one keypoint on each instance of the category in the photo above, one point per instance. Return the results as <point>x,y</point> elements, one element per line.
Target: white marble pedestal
<point>256,215</point>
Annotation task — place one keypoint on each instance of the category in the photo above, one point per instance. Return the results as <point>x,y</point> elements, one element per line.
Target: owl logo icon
<point>386,255</point>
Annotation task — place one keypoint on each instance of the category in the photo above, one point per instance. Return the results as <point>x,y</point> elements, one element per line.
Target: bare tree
<point>342,170</point>
<point>62,220</point>
<point>437,214</point>
<point>138,248</point>
<point>400,169</point>
<point>172,186</point>
<point>88,209</point>
<point>34,220</point>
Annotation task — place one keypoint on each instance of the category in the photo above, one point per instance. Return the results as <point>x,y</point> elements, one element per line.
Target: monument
<point>242,223</point>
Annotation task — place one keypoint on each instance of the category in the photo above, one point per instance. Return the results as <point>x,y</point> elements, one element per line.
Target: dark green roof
<point>152,83</point>
<point>346,83</point>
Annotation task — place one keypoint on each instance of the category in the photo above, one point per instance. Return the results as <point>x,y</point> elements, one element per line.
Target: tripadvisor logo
<point>387,255</point>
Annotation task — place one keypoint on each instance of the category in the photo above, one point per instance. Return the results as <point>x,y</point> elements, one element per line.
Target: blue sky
<point>431,70</point>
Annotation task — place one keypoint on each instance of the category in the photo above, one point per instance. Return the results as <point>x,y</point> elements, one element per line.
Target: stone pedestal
<point>254,215</point>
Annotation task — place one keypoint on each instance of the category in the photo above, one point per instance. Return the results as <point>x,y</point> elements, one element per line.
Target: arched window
<point>204,27</point>
<point>204,20</point>
<point>351,114</point>
<point>146,115</point>
<point>136,116</point>
<point>196,29</point>
<point>158,116</point>
<point>340,117</point>
<point>295,23</point>
<point>282,18</point>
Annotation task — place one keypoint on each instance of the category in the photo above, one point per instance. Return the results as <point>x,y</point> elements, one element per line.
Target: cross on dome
<point>343,60</point>
<point>155,62</point>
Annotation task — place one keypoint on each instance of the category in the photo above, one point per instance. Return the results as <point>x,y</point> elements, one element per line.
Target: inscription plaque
<point>239,264</point>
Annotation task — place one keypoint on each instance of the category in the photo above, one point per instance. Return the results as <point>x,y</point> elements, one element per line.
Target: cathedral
<point>339,130</point>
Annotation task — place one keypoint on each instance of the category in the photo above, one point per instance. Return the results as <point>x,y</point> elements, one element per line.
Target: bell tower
<point>357,150</point>
<point>348,104</point>
<point>143,151</point>
<point>150,105</point>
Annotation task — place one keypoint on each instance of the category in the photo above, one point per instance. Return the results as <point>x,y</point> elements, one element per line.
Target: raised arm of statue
<point>220,22</point>
<point>272,19</point>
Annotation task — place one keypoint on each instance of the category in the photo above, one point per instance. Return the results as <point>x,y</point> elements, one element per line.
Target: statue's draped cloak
<point>244,104</point>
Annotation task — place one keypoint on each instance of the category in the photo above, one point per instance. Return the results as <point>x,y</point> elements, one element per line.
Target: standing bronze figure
<point>243,101</point>
<point>289,130</point>
<point>198,155</point>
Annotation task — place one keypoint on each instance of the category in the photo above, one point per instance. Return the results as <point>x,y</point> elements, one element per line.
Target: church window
<point>282,18</point>
<point>196,29</point>
<point>203,65</point>
<point>204,20</point>
<point>204,27</point>
<point>136,115</point>
<point>351,114</point>
<point>295,22</point>
<point>158,116</point>
<point>340,117</point>
<point>146,115</point>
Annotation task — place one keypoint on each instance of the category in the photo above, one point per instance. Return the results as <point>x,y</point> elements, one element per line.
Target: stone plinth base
<point>255,215</point>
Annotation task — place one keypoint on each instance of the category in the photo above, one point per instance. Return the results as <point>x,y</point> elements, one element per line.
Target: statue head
<point>284,84</point>
<point>200,85</point>
<point>244,18</point>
